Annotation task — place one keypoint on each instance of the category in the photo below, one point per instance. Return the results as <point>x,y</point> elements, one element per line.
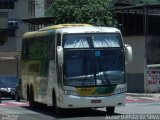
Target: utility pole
<point>17,65</point>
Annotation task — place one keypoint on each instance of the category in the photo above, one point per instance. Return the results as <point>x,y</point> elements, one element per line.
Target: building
<point>140,27</point>
<point>12,29</point>
<point>36,8</point>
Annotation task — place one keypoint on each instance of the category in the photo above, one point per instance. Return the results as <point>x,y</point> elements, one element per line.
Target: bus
<point>75,66</point>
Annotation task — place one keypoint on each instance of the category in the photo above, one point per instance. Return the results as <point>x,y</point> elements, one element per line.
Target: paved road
<point>134,105</point>
<point>129,100</point>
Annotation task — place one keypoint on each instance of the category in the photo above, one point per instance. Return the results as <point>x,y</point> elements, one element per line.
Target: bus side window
<point>38,48</point>
<point>58,39</point>
<point>51,44</point>
<point>25,49</point>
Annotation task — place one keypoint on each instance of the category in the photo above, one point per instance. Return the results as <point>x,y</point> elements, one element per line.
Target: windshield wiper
<point>104,78</point>
<point>107,78</point>
<point>87,78</point>
<point>84,80</point>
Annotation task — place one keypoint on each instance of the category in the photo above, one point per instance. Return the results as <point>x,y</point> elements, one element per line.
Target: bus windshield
<point>99,40</point>
<point>94,67</point>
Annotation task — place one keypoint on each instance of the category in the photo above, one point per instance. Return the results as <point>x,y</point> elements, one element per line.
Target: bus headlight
<point>71,92</point>
<point>120,89</point>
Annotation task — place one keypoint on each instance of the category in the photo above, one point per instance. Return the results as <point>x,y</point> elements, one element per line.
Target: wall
<point>22,12</point>
<point>153,78</point>
<point>3,20</point>
<point>135,69</point>
<point>7,68</point>
<point>153,64</point>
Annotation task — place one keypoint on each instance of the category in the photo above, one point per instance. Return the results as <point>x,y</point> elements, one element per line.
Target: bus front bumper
<point>70,101</point>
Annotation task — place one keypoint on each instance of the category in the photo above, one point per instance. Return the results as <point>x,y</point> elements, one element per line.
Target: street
<point>134,105</point>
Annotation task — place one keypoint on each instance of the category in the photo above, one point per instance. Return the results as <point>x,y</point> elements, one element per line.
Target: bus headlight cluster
<point>71,92</point>
<point>119,90</point>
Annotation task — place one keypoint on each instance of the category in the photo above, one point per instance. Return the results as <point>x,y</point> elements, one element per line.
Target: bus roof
<point>63,26</point>
<point>88,29</point>
<point>71,28</point>
<point>35,34</point>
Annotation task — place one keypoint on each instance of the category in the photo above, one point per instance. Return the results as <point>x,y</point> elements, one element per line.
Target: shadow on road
<point>69,113</point>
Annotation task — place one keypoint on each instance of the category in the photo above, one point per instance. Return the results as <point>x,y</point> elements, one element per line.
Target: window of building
<point>11,33</point>
<point>7,5</point>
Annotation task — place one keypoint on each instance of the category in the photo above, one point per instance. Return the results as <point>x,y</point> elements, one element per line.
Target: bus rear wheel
<point>32,103</point>
<point>110,110</point>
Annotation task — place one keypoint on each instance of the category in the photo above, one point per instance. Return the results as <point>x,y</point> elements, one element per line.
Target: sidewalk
<point>155,95</point>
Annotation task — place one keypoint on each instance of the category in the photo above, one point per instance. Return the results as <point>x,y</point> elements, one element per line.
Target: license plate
<point>95,101</point>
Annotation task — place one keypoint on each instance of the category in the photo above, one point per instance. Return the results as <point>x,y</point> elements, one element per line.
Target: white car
<point>8,85</point>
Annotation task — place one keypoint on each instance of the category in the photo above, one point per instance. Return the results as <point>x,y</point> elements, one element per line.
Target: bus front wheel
<point>110,110</point>
<point>56,110</point>
<point>54,105</point>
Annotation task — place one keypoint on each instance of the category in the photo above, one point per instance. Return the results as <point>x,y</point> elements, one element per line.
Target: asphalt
<point>155,95</point>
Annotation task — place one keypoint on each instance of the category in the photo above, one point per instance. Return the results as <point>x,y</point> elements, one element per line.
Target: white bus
<point>75,66</point>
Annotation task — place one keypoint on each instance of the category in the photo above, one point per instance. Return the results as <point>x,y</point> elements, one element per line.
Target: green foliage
<point>81,11</point>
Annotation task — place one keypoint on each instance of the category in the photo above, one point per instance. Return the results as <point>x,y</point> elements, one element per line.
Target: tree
<point>81,11</point>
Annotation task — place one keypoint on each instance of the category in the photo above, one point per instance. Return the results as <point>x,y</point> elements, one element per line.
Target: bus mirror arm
<point>128,53</point>
<point>60,54</point>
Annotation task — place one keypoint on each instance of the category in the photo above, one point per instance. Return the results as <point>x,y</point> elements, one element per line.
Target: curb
<point>156,95</point>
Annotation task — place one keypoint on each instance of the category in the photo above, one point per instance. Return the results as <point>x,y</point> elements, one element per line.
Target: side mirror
<point>128,53</point>
<point>60,54</point>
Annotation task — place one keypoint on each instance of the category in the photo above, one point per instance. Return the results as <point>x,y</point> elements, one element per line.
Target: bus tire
<point>110,110</point>
<point>27,92</point>
<point>31,98</point>
<point>56,110</point>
